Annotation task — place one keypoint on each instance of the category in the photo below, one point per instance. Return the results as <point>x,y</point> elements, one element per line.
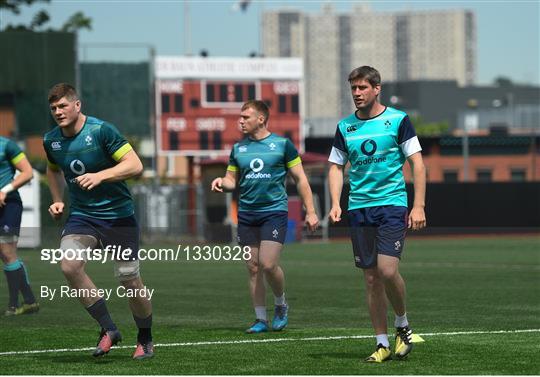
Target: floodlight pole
<point>465,150</point>
<point>327,207</point>
<point>152,113</point>
<point>470,121</point>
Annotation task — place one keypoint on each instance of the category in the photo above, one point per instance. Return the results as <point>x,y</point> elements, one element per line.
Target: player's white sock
<point>401,320</point>
<point>280,300</point>
<point>383,339</point>
<point>260,312</point>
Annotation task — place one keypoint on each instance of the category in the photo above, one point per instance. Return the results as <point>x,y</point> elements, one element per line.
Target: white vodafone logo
<point>256,165</point>
<point>77,167</point>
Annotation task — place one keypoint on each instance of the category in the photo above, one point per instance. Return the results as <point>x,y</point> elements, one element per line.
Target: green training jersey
<point>10,154</point>
<point>97,146</point>
<point>377,149</point>
<point>262,167</point>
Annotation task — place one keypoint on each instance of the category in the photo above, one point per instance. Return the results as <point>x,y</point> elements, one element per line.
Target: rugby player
<point>12,159</point>
<point>377,140</point>
<point>258,166</point>
<point>94,160</point>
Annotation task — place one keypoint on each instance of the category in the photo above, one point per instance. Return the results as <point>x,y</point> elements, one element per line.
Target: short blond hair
<point>260,107</point>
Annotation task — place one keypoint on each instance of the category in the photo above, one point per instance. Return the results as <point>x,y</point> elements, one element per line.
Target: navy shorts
<point>121,233</point>
<point>10,218</point>
<point>254,227</point>
<point>377,230</point>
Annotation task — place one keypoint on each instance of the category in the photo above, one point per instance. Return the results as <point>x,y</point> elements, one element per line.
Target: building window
<point>295,108</point>
<point>282,103</point>
<point>216,136</point>
<point>178,103</point>
<point>223,92</point>
<point>174,143</point>
<point>251,91</point>
<point>518,175</point>
<point>203,139</point>
<point>238,93</point>
<point>194,103</point>
<point>483,175</point>
<point>165,104</point>
<point>450,176</point>
<point>210,93</point>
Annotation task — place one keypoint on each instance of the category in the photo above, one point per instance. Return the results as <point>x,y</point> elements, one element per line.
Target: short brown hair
<point>61,90</point>
<point>260,107</point>
<point>367,73</point>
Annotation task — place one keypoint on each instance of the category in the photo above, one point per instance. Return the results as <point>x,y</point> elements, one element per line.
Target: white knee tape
<point>9,239</point>
<point>78,242</point>
<point>126,270</point>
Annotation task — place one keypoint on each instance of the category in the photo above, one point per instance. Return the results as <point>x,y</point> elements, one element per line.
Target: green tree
<point>76,22</point>
<point>14,6</point>
<point>40,19</point>
<point>503,82</point>
<point>423,128</point>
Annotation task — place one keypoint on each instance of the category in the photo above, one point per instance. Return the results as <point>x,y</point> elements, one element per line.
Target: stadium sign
<point>198,101</point>
<point>231,68</point>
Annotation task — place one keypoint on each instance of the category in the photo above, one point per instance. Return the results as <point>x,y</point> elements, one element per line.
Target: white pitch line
<point>273,340</point>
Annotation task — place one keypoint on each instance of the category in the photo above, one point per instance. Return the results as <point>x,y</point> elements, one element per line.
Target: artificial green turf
<point>453,285</point>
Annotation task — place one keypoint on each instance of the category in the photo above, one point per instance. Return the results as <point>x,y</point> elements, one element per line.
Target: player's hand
<point>2,199</point>
<point>89,181</point>
<point>217,185</point>
<point>417,218</point>
<point>335,215</point>
<point>56,210</point>
<point>312,221</point>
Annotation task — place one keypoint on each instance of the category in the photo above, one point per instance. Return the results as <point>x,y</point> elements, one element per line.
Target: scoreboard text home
<point>198,101</point>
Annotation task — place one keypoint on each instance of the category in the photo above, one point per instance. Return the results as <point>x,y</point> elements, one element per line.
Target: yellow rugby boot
<point>381,354</point>
<point>404,343</point>
<point>27,309</point>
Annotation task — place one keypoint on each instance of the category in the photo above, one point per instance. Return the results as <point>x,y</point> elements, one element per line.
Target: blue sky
<point>508,31</point>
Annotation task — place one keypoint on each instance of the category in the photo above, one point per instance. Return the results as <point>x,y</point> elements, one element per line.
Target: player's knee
<point>127,272</point>
<point>371,280</point>
<point>269,267</point>
<point>253,268</point>
<point>387,272</point>
<point>8,257</point>
<point>8,245</point>
<point>76,243</point>
<point>71,268</point>
<point>134,283</point>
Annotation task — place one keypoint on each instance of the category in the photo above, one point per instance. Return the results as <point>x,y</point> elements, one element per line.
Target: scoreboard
<point>198,101</point>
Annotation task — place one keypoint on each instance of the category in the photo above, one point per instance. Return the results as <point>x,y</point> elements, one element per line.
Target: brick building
<point>492,158</point>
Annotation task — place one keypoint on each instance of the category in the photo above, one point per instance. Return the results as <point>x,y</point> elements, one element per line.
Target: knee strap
<point>78,242</point>
<point>126,270</point>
